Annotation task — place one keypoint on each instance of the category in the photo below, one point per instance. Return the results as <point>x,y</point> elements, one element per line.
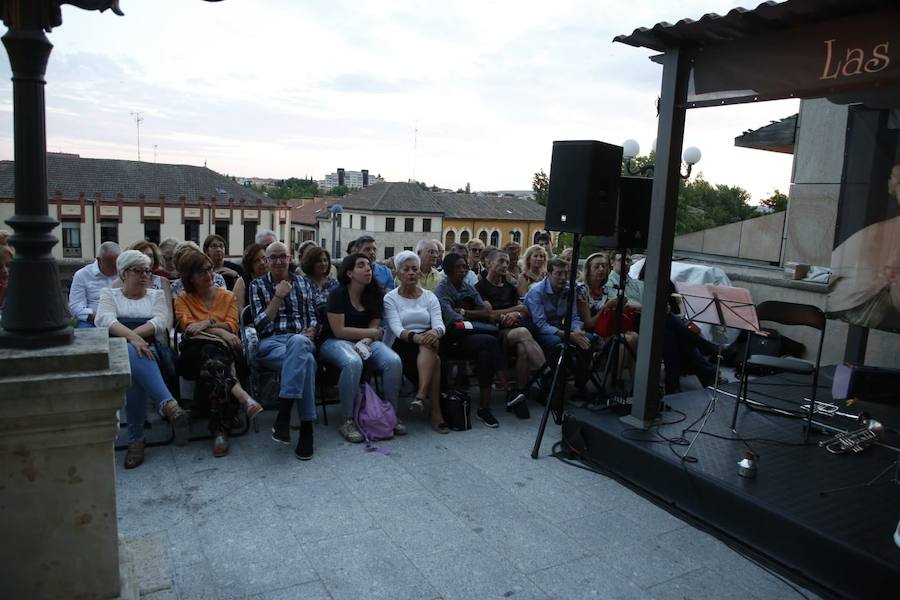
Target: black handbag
<point>456,407</point>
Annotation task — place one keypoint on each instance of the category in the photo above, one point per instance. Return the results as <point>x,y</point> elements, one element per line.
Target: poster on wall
<point>866,256</point>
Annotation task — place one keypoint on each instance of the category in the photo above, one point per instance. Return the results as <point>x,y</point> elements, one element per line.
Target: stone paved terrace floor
<point>461,516</point>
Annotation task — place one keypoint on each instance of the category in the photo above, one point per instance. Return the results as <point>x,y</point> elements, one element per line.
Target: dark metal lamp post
<point>631,149</point>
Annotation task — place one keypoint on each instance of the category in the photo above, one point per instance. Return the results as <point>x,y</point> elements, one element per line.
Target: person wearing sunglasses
<point>139,315</point>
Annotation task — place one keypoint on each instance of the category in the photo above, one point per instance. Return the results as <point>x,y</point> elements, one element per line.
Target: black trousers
<point>482,348</point>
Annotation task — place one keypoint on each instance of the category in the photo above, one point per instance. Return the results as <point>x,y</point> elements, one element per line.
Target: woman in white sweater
<point>414,330</point>
<point>140,316</point>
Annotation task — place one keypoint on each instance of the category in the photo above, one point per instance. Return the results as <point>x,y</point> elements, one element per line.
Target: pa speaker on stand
<point>584,184</point>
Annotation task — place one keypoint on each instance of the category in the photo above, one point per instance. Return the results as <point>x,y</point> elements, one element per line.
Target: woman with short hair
<point>209,319</point>
<point>316,266</point>
<point>139,315</point>
<point>182,249</point>
<point>535,268</point>
<point>415,327</point>
<point>254,264</point>
<point>156,281</point>
<point>354,312</point>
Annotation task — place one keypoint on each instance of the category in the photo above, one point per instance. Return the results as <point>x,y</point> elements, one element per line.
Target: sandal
<point>252,408</point>
<point>135,455</point>
<point>220,446</point>
<point>416,406</point>
<point>441,427</point>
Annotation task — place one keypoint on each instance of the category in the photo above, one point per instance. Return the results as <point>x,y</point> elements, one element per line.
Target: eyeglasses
<point>140,272</point>
<point>204,271</point>
<point>278,257</point>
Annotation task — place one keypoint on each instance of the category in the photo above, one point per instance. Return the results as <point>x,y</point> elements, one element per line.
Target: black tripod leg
<point>536,450</point>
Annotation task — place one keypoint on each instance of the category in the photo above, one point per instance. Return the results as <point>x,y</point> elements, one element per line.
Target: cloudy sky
<point>280,88</point>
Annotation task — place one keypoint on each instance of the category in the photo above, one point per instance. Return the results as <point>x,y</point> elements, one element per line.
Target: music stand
<point>730,307</point>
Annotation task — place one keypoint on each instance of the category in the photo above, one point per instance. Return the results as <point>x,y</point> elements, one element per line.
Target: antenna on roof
<point>155,148</point>
<point>138,119</point>
<point>415,146</point>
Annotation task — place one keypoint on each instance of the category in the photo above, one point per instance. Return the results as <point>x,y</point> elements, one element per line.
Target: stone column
<point>57,472</point>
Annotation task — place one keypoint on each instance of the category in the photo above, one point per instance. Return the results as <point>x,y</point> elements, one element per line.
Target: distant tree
<point>468,188</point>
<point>776,202</point>
<point>541,186</point>
<point>639,162</point>
<point>423,185</point>
<point>339,190</point>
<point>702,205</point>
<point>460,191</point>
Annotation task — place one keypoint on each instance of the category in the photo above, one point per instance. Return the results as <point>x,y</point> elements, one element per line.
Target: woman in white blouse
<point>139,315</point>
<point>415,327</point>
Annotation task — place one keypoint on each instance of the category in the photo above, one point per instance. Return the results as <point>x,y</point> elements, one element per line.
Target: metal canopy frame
<point>689,45</point>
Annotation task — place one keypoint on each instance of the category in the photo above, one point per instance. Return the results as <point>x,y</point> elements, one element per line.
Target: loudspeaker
<point>584,178</point>
<point>631,216</point>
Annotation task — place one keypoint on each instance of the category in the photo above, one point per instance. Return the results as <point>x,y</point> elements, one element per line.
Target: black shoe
<point>521,410</point>
<point>487,417</point>
<point>281,430</point>
<point>304,450</point>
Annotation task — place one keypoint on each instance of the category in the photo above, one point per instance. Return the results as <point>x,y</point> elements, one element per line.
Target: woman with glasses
<point>214,248</point>
<point>209,319</point>
<point>156,281</point>
<point>182,249</point>
<point>253,265</point>
<point>139,315</point>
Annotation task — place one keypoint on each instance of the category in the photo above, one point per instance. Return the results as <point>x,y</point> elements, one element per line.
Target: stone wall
<point>754,239</point>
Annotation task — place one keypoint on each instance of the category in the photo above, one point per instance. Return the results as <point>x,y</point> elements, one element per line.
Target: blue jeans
<point>84,325</point>
<point>295,356</point>
<point>341,355</point>
<point>146,383</point>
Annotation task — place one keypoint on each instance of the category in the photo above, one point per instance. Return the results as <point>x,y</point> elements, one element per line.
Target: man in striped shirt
<point>285,319</point>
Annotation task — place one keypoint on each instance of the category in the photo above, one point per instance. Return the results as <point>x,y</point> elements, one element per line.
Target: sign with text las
<point>821,59</point>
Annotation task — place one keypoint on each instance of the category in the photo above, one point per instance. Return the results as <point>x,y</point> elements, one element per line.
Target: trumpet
<point>854,441</point>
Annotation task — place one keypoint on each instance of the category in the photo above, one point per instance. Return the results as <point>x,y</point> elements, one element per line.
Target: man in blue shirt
<point>546,302</point>
<point>366,245</point>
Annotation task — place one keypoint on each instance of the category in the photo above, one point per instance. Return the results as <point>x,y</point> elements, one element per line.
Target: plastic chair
<point>785,313</point>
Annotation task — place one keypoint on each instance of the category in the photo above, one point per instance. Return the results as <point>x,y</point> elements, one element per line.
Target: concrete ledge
<point>89,352</point>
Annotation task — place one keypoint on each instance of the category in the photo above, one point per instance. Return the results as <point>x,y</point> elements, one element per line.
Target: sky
<point>473,91</point>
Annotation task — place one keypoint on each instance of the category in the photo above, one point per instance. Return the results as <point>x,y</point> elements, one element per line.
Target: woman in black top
<point>254,264</point>
<point>353,336</point>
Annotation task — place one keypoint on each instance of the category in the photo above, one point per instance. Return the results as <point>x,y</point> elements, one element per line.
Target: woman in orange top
<point>208,317</point>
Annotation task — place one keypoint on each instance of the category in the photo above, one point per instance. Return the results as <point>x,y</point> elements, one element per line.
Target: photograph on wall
<point>866,258</point>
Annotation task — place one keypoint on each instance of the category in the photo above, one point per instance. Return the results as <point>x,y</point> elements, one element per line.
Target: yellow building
<point>495,220</point>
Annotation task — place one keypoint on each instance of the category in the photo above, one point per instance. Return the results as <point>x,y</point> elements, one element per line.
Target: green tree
<point>777,201</point>
<point>541,186</point>
<point>339,190</point>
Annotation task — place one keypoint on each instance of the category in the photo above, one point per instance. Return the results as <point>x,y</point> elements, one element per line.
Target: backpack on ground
<point>456,406</point>
<point>375,418</point>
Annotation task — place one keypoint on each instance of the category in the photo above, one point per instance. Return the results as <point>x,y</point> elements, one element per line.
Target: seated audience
<point>185,248</point>
<point>253,265</point>
<point>438,263</point>
<point>156,282</point>
<point>512,250</point>
<point>474,252</point>
<point>6,256</point>
<point>4,237</point>
<point>214,247</point>
<point>167,267</point>
<point>84,294</point>
<point>139,315</point>
<point>634,288</point>
<point>208,317</point>
<point>316,266</point>
<point>545,241</point>
<point>511,317</point>
<point>547,304</point>
<point>535,269</point>
<point>461,302</point>
<point>285,319</point>
<point>354,312</point>
<point>428,253</point>
<point>366,245</point>
<point>415,327</point>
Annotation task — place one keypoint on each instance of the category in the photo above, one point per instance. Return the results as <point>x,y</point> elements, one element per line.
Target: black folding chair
<point>785,313</point>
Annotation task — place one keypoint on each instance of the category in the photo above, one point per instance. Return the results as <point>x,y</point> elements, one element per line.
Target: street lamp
<point>335,210</point>
<point>631,149</point>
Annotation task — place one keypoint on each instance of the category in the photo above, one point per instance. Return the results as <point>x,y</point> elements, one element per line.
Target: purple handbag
<point>374,417</point>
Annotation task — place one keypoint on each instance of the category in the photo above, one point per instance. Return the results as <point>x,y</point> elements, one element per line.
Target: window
<point>426,225</point>
<point>249,233</point>
<point>71,239</point>
<point>388,251</point>
<point>516,236</point>
<point>389,224</point>
<point>408,248</point>
<point>495,238</point>
<point>151,231</point>
<point>109,231</point>
<point>482,235</point>
<point>408,224</point>
<point>464,237</point>
<point>449,239</point>
<point>192,231</point>
<point>322,245</point>
<point>222,230</point>
<point>362,222</point>
<point>351,221</point>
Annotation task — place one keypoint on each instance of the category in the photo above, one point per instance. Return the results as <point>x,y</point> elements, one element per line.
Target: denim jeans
<point>341,355</point>
<point>552,344</point>
<point>85,325</point>
<point>295,356</point>
<point>146,384</point>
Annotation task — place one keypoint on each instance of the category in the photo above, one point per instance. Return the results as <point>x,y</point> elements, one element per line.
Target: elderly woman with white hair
<point>139,315</point>
<point>415,327</point>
